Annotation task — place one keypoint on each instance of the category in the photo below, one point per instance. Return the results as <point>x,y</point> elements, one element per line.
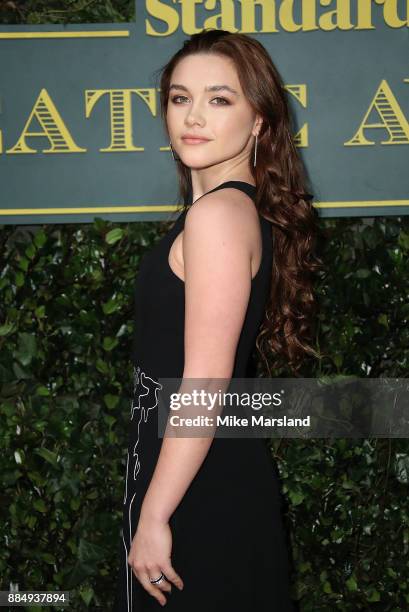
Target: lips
<point>194,139</point>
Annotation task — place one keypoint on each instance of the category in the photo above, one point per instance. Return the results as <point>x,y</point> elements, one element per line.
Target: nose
<point>195,116</point>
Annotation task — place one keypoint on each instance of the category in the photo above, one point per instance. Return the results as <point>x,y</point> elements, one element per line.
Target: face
<point>222,115</point>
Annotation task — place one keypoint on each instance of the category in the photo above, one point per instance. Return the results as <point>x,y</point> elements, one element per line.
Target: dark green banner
<point>81,137</point>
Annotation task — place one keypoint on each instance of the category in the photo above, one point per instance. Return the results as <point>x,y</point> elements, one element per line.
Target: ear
<point>257,125</point>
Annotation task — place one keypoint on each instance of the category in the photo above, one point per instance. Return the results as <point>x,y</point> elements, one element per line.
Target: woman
<point>202,523</point>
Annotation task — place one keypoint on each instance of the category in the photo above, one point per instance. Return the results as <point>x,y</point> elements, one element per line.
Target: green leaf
<point>351,584</point>
<point>109,343</point>
<point>30,251</point>
<point>19,279</point>
<point>101,366</point>
<point>40,238</point>
<point>403,240</point>
<point>48,558</point>
<point>374,596</point>
<point>7,328</point>
<point>296,497</point>
<point>19,372</point>
<point>89,552</point>
<point>38,504</point>
<point>87,594</point>
<point>110,307</point>
<point>75,503</point>
<point>27,348</point>
<point>19,456</point>
<point>402,468</point>
<point>363,273</point>
<point>40,312</point>
<point>23,264</point>
<point>47,455</point>
<point>383,320</point>
<point>114,235</point>
<point>111,401</point>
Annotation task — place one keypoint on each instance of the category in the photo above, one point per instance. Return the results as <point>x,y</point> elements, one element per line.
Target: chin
<point>197,166</point>
<point>197,162</point>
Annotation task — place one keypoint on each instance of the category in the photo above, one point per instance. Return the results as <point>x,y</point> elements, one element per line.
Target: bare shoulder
<point>226,209</point>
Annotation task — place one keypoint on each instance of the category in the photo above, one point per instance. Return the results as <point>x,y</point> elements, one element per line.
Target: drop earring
<point>255,152</point>
<point>173,153</point>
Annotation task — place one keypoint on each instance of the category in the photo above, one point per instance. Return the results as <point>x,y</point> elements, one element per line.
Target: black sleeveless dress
<point>228,540</point>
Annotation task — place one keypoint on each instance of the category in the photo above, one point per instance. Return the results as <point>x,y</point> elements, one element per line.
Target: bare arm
<point>217,271</point>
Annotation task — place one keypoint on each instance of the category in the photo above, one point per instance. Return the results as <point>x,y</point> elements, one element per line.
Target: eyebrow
<point>209,88</point>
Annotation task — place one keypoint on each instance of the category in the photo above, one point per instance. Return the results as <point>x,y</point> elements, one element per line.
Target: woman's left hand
<point>150,556</point>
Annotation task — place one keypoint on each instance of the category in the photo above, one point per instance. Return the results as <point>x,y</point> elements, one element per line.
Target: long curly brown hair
<point>281,195</point>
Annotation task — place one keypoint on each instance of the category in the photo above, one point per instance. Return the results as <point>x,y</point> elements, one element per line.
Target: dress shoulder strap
<point>249,189</point>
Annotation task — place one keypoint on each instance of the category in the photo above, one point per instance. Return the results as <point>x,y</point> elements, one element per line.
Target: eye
<point>176,97</point>
<point>225,102</point>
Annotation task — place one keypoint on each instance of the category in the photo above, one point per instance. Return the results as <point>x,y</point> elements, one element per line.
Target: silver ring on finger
<point>158,580</point>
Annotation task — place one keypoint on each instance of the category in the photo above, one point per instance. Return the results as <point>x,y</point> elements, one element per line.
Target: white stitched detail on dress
<point>145,399</point>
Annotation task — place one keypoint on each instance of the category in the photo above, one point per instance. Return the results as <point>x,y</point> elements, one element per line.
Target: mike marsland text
<point>233,421</point>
